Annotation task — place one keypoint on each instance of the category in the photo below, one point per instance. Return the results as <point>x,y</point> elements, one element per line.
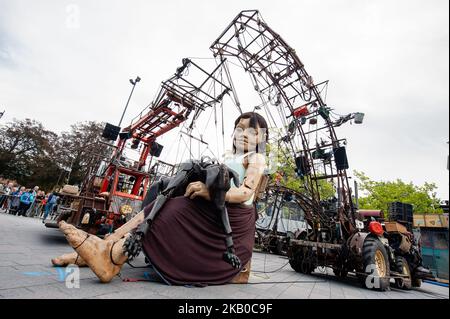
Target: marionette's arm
<point>255,171</point>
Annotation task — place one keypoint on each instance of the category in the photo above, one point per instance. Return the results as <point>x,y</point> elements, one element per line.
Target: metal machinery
<point>114,189</point>
<point>336,236</point>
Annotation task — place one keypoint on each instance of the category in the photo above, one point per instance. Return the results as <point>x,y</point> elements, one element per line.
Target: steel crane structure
<point>116,187</point>
<point>280,77</point>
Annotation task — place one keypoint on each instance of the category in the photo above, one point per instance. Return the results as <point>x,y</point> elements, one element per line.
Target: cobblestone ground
<point>26,247</point>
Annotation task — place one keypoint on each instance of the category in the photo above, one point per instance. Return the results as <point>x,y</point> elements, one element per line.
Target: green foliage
<point>75,149</point>
<point>378,194</point>
<point>326,189</point>
<point>292,181</point>
<point>35,156</point>
<point>26,149</point>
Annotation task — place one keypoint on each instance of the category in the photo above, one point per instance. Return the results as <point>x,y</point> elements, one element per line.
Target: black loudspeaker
<point>302,166</point>
<point>156,149</point>
<point>408,213</point>
<point>340,157</point>
<point>396,211</point>
<point>111,132</point>
<point>125,135</point>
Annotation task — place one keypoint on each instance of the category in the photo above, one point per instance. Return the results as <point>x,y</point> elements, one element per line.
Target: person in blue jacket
<point>25,201</point>
<point>51,202</point>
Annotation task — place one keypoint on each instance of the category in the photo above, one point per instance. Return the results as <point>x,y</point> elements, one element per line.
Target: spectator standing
<point>15,200</point>
<point>51,201</point>
<point>25,201</point>
<point>36,207</point>
<point>4,198</point>
<point>43,203</point>
<point>7,202</point>
<point>2,190</point>
<point>31,209</point>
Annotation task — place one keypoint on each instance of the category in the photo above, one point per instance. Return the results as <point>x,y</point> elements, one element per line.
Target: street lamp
<point>133,82</point>
<point>70,169</point>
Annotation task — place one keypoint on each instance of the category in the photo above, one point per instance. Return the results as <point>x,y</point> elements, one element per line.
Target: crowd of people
<point>28,202</point>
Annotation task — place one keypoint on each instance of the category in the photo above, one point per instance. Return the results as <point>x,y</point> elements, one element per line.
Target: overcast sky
<point>67,61</point>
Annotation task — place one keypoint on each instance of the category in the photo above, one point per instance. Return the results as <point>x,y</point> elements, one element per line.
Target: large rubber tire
<point>376,261</point>
<point>297,263</point>
<point>296,260</point>
<point>401,265</point>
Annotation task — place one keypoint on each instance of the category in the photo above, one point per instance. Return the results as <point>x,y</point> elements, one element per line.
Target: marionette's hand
<point>230,257</point>
<point>197,189</point>
<point>133,245</point>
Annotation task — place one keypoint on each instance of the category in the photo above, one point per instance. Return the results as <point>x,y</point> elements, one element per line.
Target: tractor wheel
<point>376,265</point>
<point>299,263</point>
<point>296,260</point>
<point>402,267</point>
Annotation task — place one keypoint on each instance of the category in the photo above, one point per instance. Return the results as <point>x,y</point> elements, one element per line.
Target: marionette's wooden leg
<point>69,259</point>
<point>127,227</point>
<point>104,257</point>
<point>75,259</point>
<point>243,276</point>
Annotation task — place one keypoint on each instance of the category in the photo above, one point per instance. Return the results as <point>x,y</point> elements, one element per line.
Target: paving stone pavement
<point>26,247</point>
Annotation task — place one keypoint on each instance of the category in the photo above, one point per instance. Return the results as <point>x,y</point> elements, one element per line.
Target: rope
<point>111,256</point>
<point>82,242</point>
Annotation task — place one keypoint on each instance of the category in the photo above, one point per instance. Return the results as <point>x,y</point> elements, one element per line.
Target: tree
<point>379,194</point>
<point>33,155</point>
<point>77,150</point>
<point>291,179</point>
<point>26,152</point>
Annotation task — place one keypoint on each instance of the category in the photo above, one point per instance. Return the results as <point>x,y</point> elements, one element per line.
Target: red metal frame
<point>175,101</point>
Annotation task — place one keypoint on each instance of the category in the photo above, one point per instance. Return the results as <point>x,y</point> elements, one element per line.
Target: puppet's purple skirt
<point>186,241</point>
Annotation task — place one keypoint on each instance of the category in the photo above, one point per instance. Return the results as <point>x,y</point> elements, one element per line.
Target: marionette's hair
<point>256,121</point>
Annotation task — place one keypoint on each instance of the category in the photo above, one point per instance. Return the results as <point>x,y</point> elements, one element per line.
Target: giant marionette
<point>200,227</point>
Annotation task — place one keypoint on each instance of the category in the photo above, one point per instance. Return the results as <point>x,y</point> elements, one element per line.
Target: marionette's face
<point>246,138</point>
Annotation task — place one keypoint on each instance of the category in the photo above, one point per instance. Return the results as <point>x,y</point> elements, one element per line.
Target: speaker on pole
<point>302,167</point>
<point>156,149</point>
<point>340,157</point>
<point>111,131</point>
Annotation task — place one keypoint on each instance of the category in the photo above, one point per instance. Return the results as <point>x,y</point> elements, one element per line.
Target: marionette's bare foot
<point>75,259</point>
<point>243,276</point>
<point>69,259</point>
<point>97,253</point>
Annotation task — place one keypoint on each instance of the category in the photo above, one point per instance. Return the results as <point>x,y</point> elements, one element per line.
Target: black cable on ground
<point>272,271</point>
